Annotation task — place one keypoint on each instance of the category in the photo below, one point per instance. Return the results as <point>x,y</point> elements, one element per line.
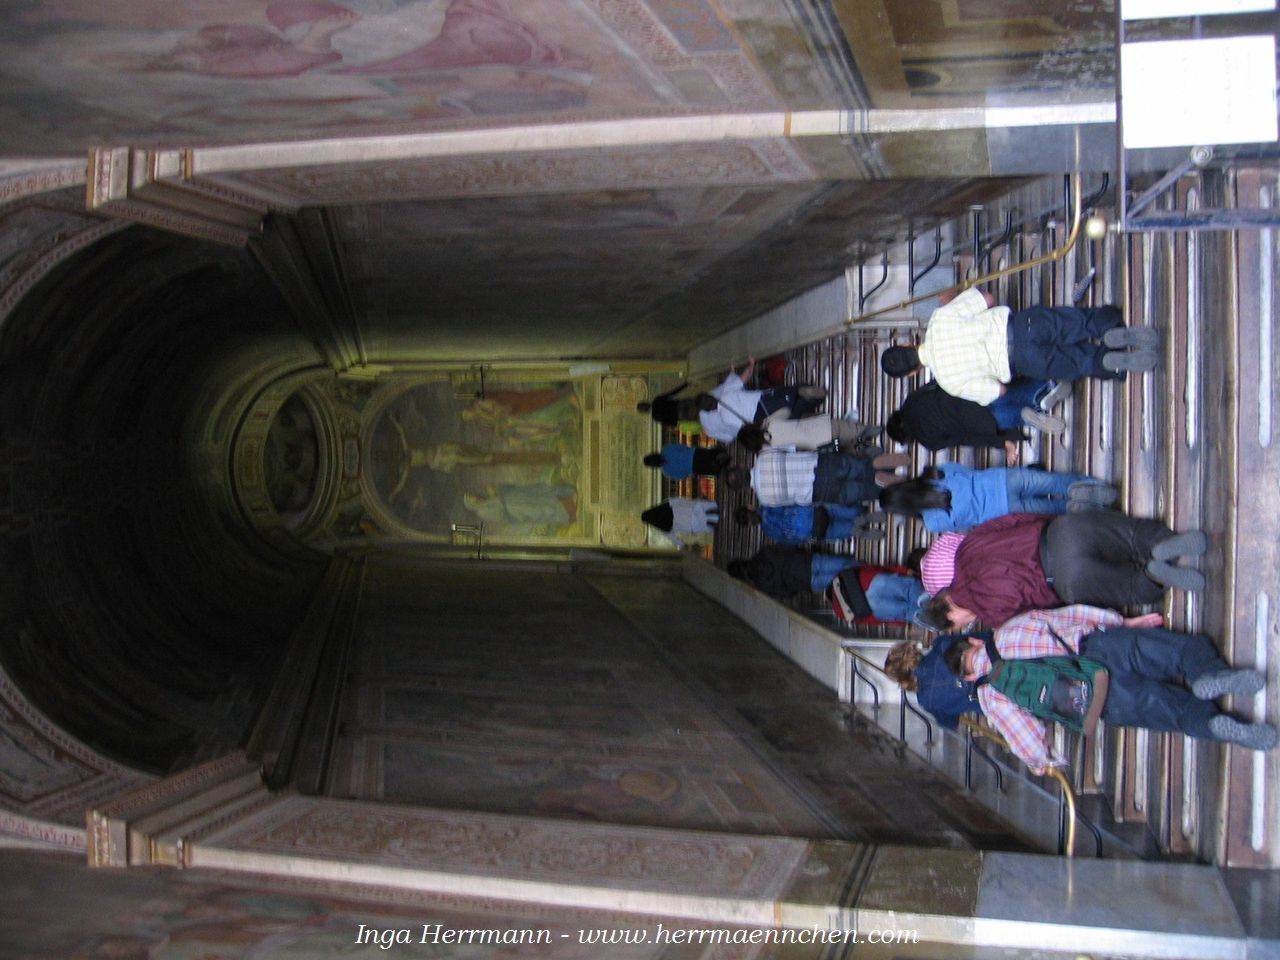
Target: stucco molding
<point>57,175</point>
<point>27,278</point>
<point>13,700</point>
<point>152,188</point>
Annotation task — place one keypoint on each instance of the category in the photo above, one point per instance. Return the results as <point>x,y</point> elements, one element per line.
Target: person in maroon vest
<point>1027,561</point>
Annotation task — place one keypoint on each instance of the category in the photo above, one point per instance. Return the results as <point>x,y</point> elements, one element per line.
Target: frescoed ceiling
<point>150,72</point>
<point>642,249</point>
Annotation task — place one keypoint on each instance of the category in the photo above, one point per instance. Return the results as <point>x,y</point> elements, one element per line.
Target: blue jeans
<point>1147,669</point>
<point>1019,393</point>
<point>823,568</point>
<point>843,477</point>
<point>894,596</point>
<point>841,520</point>
<point>1039,491</point>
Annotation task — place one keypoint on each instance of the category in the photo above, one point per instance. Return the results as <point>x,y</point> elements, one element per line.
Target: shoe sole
<point>1191,543</point>
<point>1176,578</point>
<point>1096,494</point>
<point>1237,683</point>
<point>1255,736</point>
<point>1132,361</point>
<point>1044,422</point>
<point>1055,396</point>
<point>1117,338</point>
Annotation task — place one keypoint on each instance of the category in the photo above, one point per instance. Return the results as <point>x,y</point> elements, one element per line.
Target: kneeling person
<point>1146,668</point>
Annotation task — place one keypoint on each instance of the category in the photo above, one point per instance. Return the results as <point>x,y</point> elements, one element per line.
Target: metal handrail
<point>865,295</point>
<point>974,728</point>
<point>911,258</point>
<point>1069,796</point>
<point>1050,257</point>
<point>1067,843</point>
<point>859,675</point>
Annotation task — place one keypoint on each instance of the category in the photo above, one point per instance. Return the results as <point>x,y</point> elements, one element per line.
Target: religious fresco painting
<point>225,70</point>
<point>510,458</point>
<point>207,72</point>
<point>450,458</point>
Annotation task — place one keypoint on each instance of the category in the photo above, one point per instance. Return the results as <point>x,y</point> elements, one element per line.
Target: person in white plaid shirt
<point>783,477</point>
<point>974,348</point>
<point>1146,664</point>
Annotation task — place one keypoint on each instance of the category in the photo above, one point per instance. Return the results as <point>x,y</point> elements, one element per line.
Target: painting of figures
<point>234,70</point>
<point>509,458</point>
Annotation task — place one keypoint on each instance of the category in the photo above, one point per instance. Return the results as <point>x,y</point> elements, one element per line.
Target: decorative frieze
<point>151,187</point>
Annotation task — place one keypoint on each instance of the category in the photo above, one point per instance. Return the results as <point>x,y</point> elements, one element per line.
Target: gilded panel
<point>980,52</point>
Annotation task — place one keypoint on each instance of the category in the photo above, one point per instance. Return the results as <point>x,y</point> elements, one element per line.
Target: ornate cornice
<point>29,277</point>
<point>152,187</point>
<point>54,176</point>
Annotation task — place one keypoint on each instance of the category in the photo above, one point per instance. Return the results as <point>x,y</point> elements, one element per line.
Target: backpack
<point>1070,690</point>
<point>848,600</point>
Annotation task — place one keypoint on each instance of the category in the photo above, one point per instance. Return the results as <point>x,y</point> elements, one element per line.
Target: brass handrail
<point>980,728</point>
<point>963,285</point>
<point>1069,847</point>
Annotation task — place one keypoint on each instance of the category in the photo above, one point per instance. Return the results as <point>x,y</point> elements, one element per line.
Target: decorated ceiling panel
<point>243,70</point>
<point>634,248</point>
<point>152,72</point>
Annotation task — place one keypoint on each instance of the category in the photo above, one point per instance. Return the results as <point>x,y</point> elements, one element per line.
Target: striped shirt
<point>966,347</point>
<point>1025,636</point>
<point>938,565</point>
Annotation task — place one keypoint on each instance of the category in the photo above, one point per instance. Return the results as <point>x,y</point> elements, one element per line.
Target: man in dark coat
<point>936,420</point>
<point>782,572</point>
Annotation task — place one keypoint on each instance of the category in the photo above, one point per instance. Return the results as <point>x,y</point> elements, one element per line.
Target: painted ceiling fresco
<point>148,72</point>
<point>644,250</point>
<point>237,70</point>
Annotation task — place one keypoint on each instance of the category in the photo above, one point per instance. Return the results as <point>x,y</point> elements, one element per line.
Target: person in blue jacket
<point>954,498</point>
<point>925,673</point>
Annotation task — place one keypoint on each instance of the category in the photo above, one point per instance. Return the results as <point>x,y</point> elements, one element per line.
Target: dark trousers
<point>844,478</point>
<point>1100,558</point>
<point>1147,668</point>
<point>776,398</point>
<point>1060,343</point>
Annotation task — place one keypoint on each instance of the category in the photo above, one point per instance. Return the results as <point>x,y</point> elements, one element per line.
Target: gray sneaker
<point>1130,361</point>
<point>1220,683</point>
<point>870,527</point>
<point>1192,543</point>
<point>1060,391</point>
<point>1044,422</point>
<point>1095,493</point>
<point>1255,736</point>
<point>1117,338</point>
<point>1179,578</point>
